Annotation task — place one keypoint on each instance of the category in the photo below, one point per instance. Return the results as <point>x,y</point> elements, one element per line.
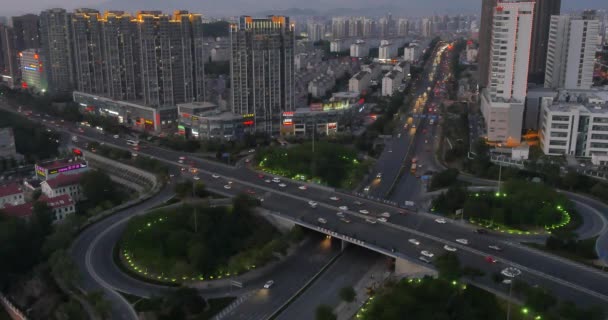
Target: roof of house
<point>10,189</point>
<point>63,180</point>
<point>25,210</point>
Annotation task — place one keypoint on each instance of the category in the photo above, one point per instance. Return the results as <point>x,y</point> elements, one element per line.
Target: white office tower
<point>502,102</point>
<point>571,51</point>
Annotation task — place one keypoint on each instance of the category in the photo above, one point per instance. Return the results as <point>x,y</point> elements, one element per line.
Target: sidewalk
<point>373,278</point>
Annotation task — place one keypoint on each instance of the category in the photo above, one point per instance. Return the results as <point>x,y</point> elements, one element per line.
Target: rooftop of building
<point>60,163</point>
<point>63,180</point>
<point>393,74</point>
<point>196,107</point>
<point>580,107</point>
<point>359,75</point>
<point>10,189</point>
<point>345,95</point>
<point>26,209</point>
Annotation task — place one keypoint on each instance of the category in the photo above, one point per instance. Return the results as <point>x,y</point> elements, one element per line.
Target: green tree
<point>324,312</point>
<point>101,306</point>
<point>448,266</point>
<point>183,189</point>
<point>348,294</point>
<point>570,180</point>
<point>445,178</point>
<point>200,190</point>
<point>63,268</point>
<point>97,187</point>
<point>70,310</point>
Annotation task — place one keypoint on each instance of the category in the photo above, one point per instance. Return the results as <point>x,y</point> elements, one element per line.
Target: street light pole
<point>499,175</point>
<point>509,302</point>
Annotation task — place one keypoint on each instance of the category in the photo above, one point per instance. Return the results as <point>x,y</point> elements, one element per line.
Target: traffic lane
<point>298,271</point>
<point>346,271</point>
<point>593,223</point>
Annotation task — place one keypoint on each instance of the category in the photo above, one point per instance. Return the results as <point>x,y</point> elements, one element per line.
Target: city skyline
<point>238,7</point>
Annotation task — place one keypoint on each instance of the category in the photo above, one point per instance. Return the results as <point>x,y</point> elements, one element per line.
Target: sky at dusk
<point>235,7</point>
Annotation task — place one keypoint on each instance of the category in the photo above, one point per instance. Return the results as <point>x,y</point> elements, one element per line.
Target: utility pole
<point>194,206</point>
<point>499,175</point>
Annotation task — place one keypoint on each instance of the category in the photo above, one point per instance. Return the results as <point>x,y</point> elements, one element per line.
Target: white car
<point>180,161</point>
<point>382,220</point>
<point>215,176</point>
<point>334,198</point>
<point>463,241</point>
<point>414,242</point>
<point>276,180</point>
<point>116,136</point>
<point>372,221</point>
<point>448,248</point>
<point>427,253</point>
<point>282,185</point>
<point>321,220</point>
<point>343,208</point>
<point>312,204</point>
<point>363,211</point>
<point>268,284</point>
<point>366,189</point>
<point>495,248</point>
<point>340,214</point>
<point>227,187</point>
<point>182,158</point>
<point>251,150</point>
<point>440,220</point>
<point>385,214</point>
<point>345,220</point>
<point>302,187</point>
<point>196,178</point>
<point>267,181</point>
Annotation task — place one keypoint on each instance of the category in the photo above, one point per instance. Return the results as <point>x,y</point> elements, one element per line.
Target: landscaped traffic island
<point>519,207</point>
<point>195,243</point>
<point>332,164</point>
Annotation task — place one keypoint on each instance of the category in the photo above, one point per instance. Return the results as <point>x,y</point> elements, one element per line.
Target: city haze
<point>312,7</point>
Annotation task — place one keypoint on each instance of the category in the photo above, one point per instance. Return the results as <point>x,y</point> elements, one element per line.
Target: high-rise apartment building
<point>543,10</point>
<point>26,28</point>
<point>571,51</point>
<point>56,48</point>
<point>426,28</point>
<point>171,57</point>
<point>9,70</point>
<point>402,27</point>
<point>485,37</point>
<point>121,54</point>
<point>262,70</point>
<point>316,31</point>
<point>502,102</point>
<point>87,44</point>
<point>339,27</point>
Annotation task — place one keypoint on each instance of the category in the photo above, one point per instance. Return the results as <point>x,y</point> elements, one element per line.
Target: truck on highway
<point>413,168</point>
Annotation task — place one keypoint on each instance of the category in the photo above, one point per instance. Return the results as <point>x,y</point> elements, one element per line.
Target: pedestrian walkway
<point>372,279</point>
<point>233,305</point>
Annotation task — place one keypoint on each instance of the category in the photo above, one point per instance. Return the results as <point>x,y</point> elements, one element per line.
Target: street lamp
<point>510,272</point>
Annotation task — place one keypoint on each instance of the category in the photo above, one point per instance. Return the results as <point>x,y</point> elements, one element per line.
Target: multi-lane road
<point>566,278</point>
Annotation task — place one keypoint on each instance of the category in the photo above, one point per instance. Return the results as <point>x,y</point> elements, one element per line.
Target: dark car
<point>482,231</point>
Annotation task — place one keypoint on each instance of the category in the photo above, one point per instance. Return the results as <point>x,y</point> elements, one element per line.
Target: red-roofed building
<point>63,184</point>
<point>62,206</point>
<point>11,194</point>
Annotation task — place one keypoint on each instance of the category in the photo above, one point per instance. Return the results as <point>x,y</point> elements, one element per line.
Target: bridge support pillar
<point>344,244</point>
<point>407,269</point>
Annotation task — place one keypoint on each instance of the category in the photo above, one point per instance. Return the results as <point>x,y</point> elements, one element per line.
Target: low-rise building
<point>359,49</point>
<point>574,128</point>
<point>391,82</point>
<point>323,119</point>
<point>134,115</point>
<point>63,184</point>
<point>411,53</point>
<point>48,170</point>
<point>204,120</point>
<point>359,82</point>
<point>62,206</point>
<point>11,194</point>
